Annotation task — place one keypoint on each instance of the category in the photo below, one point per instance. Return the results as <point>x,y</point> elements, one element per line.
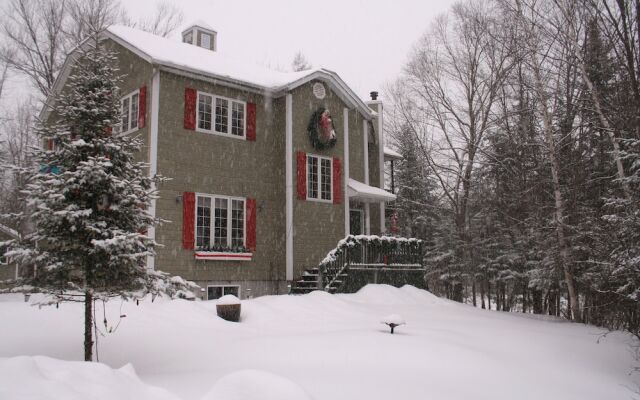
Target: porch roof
<point>368,194</point>
<point>390,154</point>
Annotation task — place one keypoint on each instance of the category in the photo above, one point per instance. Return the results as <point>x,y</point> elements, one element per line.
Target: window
<point>221,115</point>
<point>204,111</point>
<point>319,177</point>
<point>205,40</point>
<point>225,216</point>
<point>129,112</point>
<point>215,292</point>
<point>188,37</point>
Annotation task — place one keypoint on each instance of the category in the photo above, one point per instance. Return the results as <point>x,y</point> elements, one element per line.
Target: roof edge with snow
<point>287,81</point>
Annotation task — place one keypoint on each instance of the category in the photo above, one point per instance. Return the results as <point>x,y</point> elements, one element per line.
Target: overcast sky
<point>365,42</point>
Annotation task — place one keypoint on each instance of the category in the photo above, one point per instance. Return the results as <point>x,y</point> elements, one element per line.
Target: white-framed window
<point>220,222</point>
<point>216,291</point>
<point>221,115</point>
<point>205,40</point>
<point>129,112</point>
<point>319,178</point>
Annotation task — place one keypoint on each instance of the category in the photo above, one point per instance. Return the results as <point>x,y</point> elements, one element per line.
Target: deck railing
<point>363,253</point>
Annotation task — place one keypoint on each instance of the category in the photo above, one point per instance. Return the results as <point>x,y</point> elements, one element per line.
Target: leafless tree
<point>550,61</point>
<point>38,34</point>
<point>167,18</point>
<point>447,95</point>
<point>300,62</point>
<point>87,17</point>
<point>34,40</point>
<point>18,139</point>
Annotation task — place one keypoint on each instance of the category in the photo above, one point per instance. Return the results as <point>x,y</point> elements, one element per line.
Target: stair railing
<point>364,252</point>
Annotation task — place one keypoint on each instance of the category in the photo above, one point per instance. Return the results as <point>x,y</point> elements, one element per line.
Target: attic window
<point>205,40</point>
<point>188,37</point>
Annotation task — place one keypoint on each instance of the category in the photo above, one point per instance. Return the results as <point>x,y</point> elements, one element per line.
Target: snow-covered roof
<point>201,24</point>
<point>368,194</point>
<point>194,61</point>
<point>185,56</point>
<point>390,154</point>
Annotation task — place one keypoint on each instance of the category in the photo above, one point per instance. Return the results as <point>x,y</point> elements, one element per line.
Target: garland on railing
<point>386,243</point>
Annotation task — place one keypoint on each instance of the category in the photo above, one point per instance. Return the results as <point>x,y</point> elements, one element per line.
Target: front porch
<point>360,259</point>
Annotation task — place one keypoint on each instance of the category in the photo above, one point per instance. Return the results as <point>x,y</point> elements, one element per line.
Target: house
<point>269,169</point>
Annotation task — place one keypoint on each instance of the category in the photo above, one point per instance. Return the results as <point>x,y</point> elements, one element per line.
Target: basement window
<point>215,292</point>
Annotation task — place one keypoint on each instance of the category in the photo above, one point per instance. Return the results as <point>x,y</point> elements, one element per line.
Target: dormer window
<point>188,37</point>
<point>200,34</point>
<point>205,41</point>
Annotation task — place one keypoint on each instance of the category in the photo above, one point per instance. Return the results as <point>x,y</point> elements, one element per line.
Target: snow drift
<point>325,347</point>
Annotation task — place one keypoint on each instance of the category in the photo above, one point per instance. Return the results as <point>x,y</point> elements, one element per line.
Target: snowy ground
<point>332,347</point>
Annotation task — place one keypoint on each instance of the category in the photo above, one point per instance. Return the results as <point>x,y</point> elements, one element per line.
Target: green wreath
<point>321,134</point>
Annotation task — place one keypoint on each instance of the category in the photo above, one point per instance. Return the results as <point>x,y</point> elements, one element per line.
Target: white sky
<point>365,42</point>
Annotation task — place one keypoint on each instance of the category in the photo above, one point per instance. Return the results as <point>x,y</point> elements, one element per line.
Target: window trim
<point>213,130</point>
<point>130,97</point>
<point>319,183</point>
<point>212,219</point>
<point>225,286</point>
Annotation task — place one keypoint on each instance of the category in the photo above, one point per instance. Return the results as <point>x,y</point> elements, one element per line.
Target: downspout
<point>153,153</point>
<point>381,164</point>
<point>289,186</point>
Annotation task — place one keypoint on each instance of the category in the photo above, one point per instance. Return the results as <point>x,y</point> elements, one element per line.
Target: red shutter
<point>337,181</point>
<point>251,224</point>
<point>49,144</point>
<point>302,175</point>
<point>142,106</point>
<point>251,122</point>
<point>190,97</point>
<point>188,220</point>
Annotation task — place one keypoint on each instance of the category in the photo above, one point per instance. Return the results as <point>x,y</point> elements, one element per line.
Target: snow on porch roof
<point>368,194</point>
<point>391,154</point>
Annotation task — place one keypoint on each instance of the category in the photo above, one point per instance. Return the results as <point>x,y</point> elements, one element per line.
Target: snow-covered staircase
<point>360,253</point>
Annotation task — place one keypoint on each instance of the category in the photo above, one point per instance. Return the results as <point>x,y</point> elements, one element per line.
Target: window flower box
<point>223,256</point>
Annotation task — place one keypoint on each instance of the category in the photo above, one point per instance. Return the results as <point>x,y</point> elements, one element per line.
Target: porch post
<point>367,211</point>
<point>345,117</point>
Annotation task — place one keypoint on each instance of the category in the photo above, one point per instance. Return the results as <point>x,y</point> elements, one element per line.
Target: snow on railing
<point>362,252</point>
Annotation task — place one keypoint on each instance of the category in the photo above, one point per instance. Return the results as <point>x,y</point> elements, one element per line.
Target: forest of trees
<point>519,121</point>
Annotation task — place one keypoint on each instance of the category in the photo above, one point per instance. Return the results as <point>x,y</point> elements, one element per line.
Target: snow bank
<point>253,385</point>
<point>332,346</point>
<point>44,378</point>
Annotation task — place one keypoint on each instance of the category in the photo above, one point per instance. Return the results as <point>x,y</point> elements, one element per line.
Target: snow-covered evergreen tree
<point>89,200</point>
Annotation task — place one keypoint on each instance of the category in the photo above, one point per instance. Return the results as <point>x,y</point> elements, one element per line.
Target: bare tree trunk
<point>595,96</point>
<point>88,326</point>
<point>533,43</point>
<point>473,291</point>
<point>483,306</point>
